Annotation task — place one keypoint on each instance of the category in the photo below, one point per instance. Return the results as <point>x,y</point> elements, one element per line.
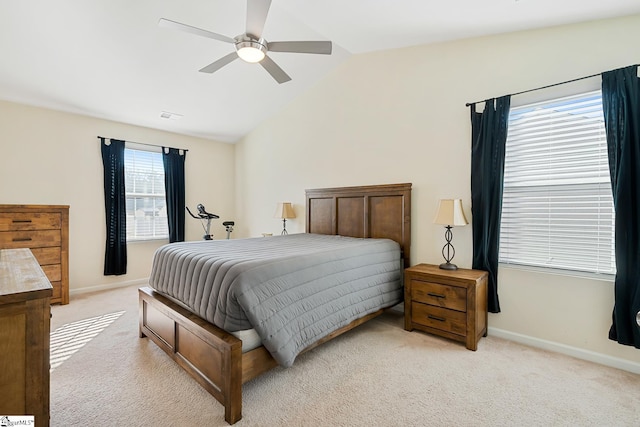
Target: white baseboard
<point>105,286</point>
<point>579,353</point>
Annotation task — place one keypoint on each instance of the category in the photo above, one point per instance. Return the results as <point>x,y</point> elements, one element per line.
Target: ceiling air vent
<point>170,116</point>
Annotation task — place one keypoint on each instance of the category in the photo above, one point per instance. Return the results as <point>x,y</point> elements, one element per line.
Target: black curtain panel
<point>174,188</point>
<point>115,256</point>
<point>621,105</point>
<point>489,136</point>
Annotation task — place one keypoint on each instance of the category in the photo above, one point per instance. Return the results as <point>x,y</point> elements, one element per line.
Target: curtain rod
<point>142,143</point>
<point>468,104</point>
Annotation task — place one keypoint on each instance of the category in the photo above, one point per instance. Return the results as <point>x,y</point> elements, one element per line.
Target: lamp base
<point>448,266</point>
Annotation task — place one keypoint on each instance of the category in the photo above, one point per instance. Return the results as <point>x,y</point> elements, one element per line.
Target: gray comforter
<point>294,290</point>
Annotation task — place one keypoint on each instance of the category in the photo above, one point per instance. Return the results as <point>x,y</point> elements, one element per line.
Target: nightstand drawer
<point>439,318</point>
<point>446,296</point>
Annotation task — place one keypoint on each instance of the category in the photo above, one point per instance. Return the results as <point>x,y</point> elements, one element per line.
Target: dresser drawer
<point>29,239</point>
<point>452,297</point>
<point>13,221</point>
<point>46,256</point>
<point>57,291</point>
<point>53,272</point>
<point>439,318</point>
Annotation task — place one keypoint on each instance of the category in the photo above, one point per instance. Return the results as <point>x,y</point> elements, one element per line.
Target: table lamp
<point>284,211</point>
<point>449,214</point>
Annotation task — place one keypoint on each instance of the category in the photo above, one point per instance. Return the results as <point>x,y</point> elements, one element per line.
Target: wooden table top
<point>21,277</point>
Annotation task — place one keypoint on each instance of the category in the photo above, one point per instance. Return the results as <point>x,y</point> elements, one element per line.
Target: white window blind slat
<point>557,208</point>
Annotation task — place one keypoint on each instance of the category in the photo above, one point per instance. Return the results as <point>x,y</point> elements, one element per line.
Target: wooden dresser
<point>45,230</point>
<point>25,312</point>
<point>448,303</point>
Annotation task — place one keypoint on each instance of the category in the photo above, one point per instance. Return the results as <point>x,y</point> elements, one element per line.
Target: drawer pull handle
<point>439,319</point>
<point>431,294</point>
<point>15,221</point>
<point>22,239</point>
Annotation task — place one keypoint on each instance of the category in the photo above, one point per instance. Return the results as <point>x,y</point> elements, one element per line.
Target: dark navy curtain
<point>488,140</point>
<point>621,105</point>
<point>174,185</point>
<point>115,256</point>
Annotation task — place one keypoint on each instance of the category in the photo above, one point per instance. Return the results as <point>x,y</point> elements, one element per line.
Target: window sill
<point>149,240</point>
<point>559,272</point>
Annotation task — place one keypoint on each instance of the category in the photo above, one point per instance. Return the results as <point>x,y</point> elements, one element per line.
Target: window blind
<point>557,209</point>
<point>145,195</point>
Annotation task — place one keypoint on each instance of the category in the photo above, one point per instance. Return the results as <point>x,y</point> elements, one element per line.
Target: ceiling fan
<point>250,46</point>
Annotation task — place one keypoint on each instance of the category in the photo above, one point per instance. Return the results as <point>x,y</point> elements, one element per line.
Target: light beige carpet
<point>377,374</point>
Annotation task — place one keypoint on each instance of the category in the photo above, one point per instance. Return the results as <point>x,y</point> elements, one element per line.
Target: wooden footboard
<point>210,355</point>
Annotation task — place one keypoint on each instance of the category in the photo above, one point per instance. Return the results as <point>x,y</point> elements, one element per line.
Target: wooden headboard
<point>375,211</point>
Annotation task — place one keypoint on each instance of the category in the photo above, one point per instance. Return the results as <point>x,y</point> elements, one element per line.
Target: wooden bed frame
<point>213,356</point>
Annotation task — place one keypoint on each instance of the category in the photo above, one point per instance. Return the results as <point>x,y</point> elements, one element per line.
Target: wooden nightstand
<point>448,303</point>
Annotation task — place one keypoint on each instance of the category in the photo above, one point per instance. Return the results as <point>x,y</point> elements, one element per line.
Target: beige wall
<point>400,116</point>
<point>52,157</point>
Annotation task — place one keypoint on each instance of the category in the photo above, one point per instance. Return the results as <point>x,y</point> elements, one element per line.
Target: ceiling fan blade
<point>321,47</point>
<point>276,72</point>
<point>257,11</point>
<point>216,65</point>
<point>166,23</point>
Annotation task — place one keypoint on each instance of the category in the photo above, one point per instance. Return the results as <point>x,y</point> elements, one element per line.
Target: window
<point>146,203</point>
<point>557,209</point>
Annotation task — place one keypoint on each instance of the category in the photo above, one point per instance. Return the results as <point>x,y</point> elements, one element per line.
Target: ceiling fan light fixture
<point>251,51</point>
<point>250,46</point>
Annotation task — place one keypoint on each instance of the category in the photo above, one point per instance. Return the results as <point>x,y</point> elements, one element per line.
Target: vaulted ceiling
<point>110,58</point>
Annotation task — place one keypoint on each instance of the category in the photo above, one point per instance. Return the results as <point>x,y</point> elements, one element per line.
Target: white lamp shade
<point>284,211</point>
<point>450,213</point>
